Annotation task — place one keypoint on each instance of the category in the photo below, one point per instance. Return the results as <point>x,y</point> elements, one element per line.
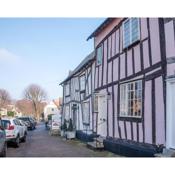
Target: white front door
<point>102,116</point>
<point>170,114</point>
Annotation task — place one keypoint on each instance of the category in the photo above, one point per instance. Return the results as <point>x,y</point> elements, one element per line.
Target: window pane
<point>131,99</point>
<point>99,55</point>
<point>126,33</point>
<point>134,29</point>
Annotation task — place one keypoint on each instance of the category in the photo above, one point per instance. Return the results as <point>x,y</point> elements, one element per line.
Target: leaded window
<point>131,99</point>
<point>131,32</point>
<point>99,55</point>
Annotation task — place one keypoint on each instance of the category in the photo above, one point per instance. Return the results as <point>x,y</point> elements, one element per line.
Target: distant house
<point>134,83</point>
<point>50,109</point>
<point>3,112</point>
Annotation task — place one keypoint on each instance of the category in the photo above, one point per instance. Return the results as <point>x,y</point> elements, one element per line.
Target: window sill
<point>132,119</point>
<point>131,45</point>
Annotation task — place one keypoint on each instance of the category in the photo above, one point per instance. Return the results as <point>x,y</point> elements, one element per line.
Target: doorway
<point>102,115</point>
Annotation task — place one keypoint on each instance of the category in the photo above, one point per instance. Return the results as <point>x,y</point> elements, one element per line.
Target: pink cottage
<point>133,87</point>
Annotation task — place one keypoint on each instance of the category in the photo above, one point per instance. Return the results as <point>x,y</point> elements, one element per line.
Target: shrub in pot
<point>63,128</point>
<point>70,134</point>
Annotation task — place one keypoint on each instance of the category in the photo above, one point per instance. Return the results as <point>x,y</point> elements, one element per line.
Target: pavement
<point>40,143</point>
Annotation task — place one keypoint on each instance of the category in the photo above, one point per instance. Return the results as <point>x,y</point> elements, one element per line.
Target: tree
<point>4,98</point>
<point>36,95</point>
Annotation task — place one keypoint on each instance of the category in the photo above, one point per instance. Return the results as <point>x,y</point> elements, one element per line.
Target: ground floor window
<point>131,99</point>
<point>86,112</point>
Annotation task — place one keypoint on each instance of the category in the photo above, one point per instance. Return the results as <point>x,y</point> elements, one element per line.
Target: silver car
<point>3,144</point>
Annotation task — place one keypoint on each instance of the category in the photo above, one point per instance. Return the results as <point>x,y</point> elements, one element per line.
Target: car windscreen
<point>24,119</point>
<point>6,123</point>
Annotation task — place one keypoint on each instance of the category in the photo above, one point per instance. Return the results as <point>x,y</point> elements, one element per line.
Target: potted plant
<point>63,128</point>
<point>70,134</point>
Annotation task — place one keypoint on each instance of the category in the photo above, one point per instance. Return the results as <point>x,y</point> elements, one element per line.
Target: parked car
<point>3,144</point>
<point>30,121</point>
<point>14,131</point>
<point>24,126</point>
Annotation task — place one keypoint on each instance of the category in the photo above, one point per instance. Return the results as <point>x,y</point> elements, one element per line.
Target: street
<point>40,144</point>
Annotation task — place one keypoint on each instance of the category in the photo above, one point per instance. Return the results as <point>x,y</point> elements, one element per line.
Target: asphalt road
<point>41,144</point>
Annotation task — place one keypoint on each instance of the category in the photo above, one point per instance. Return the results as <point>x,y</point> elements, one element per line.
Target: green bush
<point>10,113</point>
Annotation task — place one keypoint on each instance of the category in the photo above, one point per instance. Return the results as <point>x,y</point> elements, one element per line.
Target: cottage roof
<point>100,28</point>
<point>86,60</point>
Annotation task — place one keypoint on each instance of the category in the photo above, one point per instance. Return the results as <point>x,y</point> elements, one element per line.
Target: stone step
<point>99,139</point>
<point>95,145</point>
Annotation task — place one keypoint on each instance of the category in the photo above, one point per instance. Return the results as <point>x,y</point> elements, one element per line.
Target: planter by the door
<point>70,134</point>
<point>62,133</point>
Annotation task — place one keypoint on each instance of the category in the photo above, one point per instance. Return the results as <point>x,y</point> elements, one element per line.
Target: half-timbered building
<point>77,95</point>
<point>130,73</point>
<point>133,85</point>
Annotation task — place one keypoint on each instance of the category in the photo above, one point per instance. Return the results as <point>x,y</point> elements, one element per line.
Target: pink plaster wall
<point>135,131</point>
<point>96,77</point>
<point>117,41</point>
<point>137,59</point>
<point>148,112</point>
<point>160,120</point>
<point>140,132</point>
<point>115,69</point>
<point>105,62</point>
<point>129,63</point>
<point>170,40</point>
<point>121,124</point>
<point>144,28</point>
<point>106,30</point>
<point>110,72</point>
<point>128,128</point>
<point>145,55</point>
<point>109,46</point>
<point>100,74</point>
<point>113,44</point>
<point>110,116</point>
<point>116,110</point>
<point>122,66</point>
<point>155,40</point>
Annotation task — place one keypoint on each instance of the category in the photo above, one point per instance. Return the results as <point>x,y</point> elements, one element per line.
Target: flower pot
<point>70,134</point>
<point>62,133</point>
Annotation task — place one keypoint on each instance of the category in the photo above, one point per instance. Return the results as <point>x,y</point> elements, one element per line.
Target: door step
<point>95,145</point>
<point>166,153</point>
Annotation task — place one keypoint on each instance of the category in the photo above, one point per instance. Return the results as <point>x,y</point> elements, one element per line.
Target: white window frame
<point>86,114</point>
<point>97,62</point>
<point>124,99</point>
<point>130,31</point>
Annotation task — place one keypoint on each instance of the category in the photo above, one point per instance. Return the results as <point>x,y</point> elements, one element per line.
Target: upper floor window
<point>131,99</point>
<point>86,113</point>
<point>99,55</point>
<point>67,89</point>
<point>131,32</point>
<point>82,83</point>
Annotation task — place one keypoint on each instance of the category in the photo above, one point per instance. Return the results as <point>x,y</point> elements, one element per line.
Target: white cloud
<point>6,55</point>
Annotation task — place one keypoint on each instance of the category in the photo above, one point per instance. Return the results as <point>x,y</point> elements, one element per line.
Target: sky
<point>42,51</point>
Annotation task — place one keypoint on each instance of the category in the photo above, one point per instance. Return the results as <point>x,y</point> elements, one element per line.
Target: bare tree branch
<point>36,95</point>
<point>4,98</point>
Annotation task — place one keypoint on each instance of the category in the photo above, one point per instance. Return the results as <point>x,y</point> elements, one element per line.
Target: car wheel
<point>4,151</point>
<point>17,141</point>
<point>24,138</point>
